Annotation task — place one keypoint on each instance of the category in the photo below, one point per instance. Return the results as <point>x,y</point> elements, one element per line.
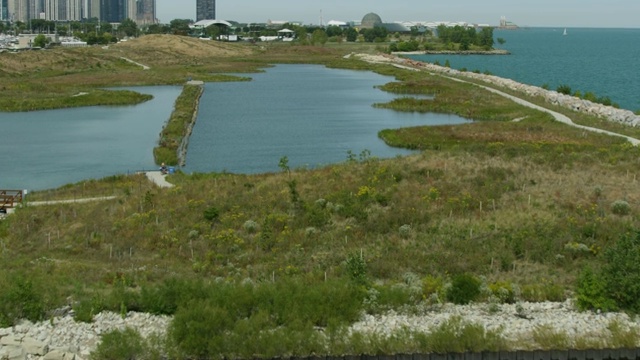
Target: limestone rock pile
<point>63,338</point>
<point>567,101</point>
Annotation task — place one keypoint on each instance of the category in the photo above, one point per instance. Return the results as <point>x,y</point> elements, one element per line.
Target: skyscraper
<point>146,12</point>
<point>113,11</point>
<point>205,10</point>
<point>4,10</point>
<point>18,10</point>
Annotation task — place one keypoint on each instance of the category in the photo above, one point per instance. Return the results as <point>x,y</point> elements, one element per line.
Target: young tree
<point>352,34</point>
<point>128,27</point>
<point>319,37</point>
<point>40,41</point>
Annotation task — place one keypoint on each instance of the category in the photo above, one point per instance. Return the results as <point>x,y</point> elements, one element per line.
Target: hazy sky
<point>556,13</point>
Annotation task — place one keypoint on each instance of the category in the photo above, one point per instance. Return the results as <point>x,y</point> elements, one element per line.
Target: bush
<point>564,89</point>
<point>457,336</point>
<point>120,344</point>
<point>20,300</point>
<point>357,268</point>
<point>591,292</point>
<point>620,207</point>
<point>622,272</point>
<point>464,289</point>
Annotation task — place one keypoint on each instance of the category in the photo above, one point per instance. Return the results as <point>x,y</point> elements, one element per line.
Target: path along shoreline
<point>609,113</point>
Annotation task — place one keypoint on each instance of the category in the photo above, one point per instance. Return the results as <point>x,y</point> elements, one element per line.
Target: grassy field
<point>522,206</point>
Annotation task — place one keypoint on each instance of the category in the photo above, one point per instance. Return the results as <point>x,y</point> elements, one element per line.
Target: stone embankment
<point>63,338</point>
<point>552,97</point>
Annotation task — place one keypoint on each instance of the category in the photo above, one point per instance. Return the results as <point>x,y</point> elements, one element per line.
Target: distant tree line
<point>466,36</point>
<point>94,31</point>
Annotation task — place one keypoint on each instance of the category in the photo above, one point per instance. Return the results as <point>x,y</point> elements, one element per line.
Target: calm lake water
<point>310,114</point>
<point>47,149</point>
<point>602,61</point>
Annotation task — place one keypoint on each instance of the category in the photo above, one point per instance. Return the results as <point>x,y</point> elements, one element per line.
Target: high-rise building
<point>113,11</point>
<point>18,10</point>
<point>205,10</point>
<point>93,9</point>
<point>146,12</point>
<point>131,10</point>
<point>36,7</point>
<point>4,10</point>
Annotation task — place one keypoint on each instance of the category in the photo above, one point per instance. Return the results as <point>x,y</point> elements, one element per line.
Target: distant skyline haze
<point>563,13</point>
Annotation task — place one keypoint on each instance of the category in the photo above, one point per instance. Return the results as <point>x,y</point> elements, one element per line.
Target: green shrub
<point>21,299</point>
<point>622,272</point>
<point>198,329</point>
<point>620,207</point>
<point>85,309</point>
<point>432,288</point>
<point>503,291</point>
<point>356,267</point>
<point>564,89</point>
<point>457,336</point>
<point>211,213</point>
<point>591,292</point>
<point>464,289</point>
<point>121,344</point>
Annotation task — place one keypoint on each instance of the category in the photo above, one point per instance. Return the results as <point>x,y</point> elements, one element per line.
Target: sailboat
<point>565,32</point>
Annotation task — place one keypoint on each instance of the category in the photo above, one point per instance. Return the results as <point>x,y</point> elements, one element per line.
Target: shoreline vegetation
<point>174,136</point>
<point>454,52</point>
<point>512,208</point>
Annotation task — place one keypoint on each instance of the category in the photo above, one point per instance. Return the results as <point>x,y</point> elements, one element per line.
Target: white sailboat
<point>565,32</point>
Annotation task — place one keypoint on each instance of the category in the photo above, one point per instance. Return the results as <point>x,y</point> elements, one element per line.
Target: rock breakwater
<point>63,338</point>
<point>609,113</point>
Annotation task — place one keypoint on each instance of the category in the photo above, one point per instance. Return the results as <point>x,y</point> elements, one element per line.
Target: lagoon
<point>47,149</point>
<point>311,114</point>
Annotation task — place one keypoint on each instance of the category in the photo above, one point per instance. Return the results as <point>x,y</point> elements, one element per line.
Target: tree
<point>157,29</point>
<point>180,26</point>
<point>334,31</point>
<point>128,27</point>
<point>301,35</point>
<point>319,36</point>
<point>40,41</point>
<point>352,34</point>
<point>486,38</point>
<point>501,41</point>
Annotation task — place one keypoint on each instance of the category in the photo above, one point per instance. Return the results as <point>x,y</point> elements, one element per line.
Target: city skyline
<point>141,11</point>
<point>568,13</point>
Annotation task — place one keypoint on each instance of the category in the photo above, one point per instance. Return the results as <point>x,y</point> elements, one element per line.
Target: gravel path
<point>408,65</point>
<point>159,179</point>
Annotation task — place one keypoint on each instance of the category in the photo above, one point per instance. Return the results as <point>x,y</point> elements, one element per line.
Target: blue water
<point>310,114</point>
<point>47,149</point>
<point>605,62</point>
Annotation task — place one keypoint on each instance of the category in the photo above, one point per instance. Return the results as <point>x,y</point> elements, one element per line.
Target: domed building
<point>370,21</point>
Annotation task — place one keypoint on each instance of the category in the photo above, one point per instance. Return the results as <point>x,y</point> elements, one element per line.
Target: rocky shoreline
<point>63,338</point>
<point>610,113</point>
<point>455,52</point>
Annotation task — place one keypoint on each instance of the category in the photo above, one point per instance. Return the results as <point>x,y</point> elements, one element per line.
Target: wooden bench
<point>9,199</point>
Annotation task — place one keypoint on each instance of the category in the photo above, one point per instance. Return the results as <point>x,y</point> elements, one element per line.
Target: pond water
<point>47,149</point>
<point>311,114</point>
